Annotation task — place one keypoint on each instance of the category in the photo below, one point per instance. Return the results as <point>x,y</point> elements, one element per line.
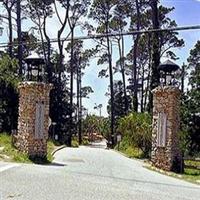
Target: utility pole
<point>19,35</point>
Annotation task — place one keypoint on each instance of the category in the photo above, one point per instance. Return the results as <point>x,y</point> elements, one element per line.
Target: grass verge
<point>191,171</point>
<point>131,152</point>
<point>10,154</point>
<point>75,143</point>
<point>126,148</point>
<point>190,174</point>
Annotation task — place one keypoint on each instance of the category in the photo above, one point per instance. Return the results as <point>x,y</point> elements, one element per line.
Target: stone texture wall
<point>168,157</point>
<point>31,93</point>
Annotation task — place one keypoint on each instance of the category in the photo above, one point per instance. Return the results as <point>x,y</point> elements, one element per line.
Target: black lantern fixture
<point>168,71</point>
<point>35,68</point>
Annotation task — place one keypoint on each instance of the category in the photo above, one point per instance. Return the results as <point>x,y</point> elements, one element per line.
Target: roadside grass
<point>9,153</point>
<point>50,148</point>
<point>191,174</point>
<point>75,143</point>
<point>191,170</point>
<point>85,141</point>
<point>129,150</point>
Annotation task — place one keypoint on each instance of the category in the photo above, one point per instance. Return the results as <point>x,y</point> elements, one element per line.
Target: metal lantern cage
<point>168,71</point>
<point>35,68</point>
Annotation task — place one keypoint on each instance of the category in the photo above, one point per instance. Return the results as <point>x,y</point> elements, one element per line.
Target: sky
<point>187,12</point>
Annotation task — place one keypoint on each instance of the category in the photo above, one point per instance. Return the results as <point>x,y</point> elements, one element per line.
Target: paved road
<point>91,174</point>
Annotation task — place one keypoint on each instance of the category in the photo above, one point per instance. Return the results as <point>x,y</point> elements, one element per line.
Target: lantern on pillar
<point>168,71</point>
<point>35,68</point>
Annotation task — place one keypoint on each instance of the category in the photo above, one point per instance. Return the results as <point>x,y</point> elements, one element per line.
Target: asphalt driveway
<point>88,173</point>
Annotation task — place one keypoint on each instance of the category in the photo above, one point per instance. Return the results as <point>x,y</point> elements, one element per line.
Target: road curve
<point>105,174</point>
<point>87,173</point>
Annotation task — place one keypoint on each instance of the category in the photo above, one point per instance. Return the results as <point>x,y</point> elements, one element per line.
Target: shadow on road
<point>49,164</point>
<point>56,164</point>
<point>136,180</point>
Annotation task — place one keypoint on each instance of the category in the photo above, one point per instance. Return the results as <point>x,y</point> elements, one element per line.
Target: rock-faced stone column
<point>166,153</point>
<point>33,118</point>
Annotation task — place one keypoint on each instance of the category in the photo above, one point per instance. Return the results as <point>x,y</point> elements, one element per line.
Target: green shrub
<point>137,131</point>
<point>75,143</point>
<point>96,124</point>
<point>127,148</point>
<point>85,141</point>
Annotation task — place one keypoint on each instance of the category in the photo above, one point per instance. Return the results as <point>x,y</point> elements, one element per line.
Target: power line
<point>98,36</point>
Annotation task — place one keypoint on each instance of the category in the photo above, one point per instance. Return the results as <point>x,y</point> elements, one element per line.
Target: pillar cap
<point>33,84</point>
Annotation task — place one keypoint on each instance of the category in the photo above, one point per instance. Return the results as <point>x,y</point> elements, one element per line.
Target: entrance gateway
<point>164,121</point>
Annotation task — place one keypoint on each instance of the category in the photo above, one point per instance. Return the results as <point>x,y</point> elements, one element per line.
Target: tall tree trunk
<point>79,103</point>
<point>10,48</point>
<point>147,92</point>
<point>71,84</point>
<point>121,54</point>
<point>142,97</point>
<point>135,54</point>
<point>42,38</point>
<point>77,98</point>
<point>81,112</point>
<point>135,89</point>
<point>60,43</point>
<point>49,64</point>
<point>60,60</point>
<point>111,84</point>
<point>19,36</point>
<point>183,78</point>
<point>155,76</point>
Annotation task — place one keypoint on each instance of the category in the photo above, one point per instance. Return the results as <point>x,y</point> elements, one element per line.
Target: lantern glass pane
<point>162,81</point>
<point>168,79</point>
<point>35,72</point>
<point>42,71</point>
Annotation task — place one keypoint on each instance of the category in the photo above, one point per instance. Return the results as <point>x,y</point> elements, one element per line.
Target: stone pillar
<point>33,121</point>
<point>166,153</point>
